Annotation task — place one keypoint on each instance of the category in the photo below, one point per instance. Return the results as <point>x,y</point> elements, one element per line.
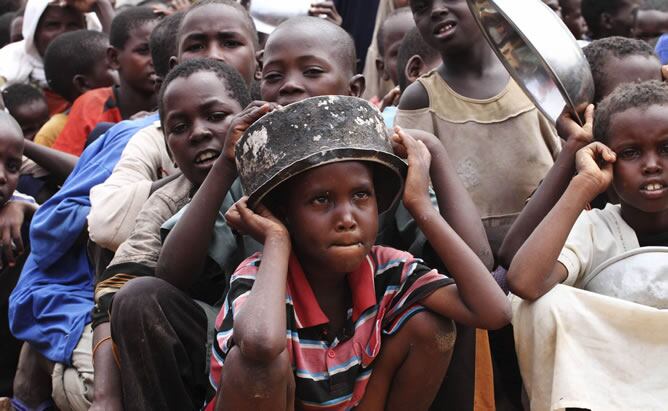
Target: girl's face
<point>446,25</point>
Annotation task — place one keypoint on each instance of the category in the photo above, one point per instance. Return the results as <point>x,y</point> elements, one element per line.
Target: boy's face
<point>394,31</point>
<point>219,32</point>
<point>629,69</point>
<point>197,110</point>
<point>445,24</point>
<point>31,117</point>
<point>621,22</point>
<point>11,152</point>
<point>135,66</point>
<point>101,75</point>
<point>55,21</point>
<point>571,13</point>
<point>332,217</point>
<point>640,139</point>
<point>298,64</point>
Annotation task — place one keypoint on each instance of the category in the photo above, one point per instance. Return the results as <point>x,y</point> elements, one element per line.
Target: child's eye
<point>629,153</point>
<point>232,43</point>
<point>178,128</point>
<point>14,167</point>
<point>320,200</point>
<point>194,47</point>
<point>361,195</point>
<point>664,148</point>
<point>217,116</point>
<point>143,50</point>
<point>313,71</point>
<point>272,77</point>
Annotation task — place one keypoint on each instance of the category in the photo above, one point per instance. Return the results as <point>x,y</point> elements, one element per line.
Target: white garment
<point>584,350</point>
<point>20,62</point>
<point>268,14</point>
<point>116,203</point>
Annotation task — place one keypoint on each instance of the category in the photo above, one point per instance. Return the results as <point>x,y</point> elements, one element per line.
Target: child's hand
<point>572,132</point>
<point>83,6</point>
<point>594,164</point>
<point>12,216</point>
<point>416,188</point>
<point>391,98</point>
<point>261,225</point>
<point>326,10</point>
<point>240,124</point>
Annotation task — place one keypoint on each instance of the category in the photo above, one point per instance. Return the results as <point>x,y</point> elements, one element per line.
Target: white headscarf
<point>20,62</point>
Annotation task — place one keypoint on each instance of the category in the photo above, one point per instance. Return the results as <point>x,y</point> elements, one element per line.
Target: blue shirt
<point>53,298</point>
<point>661,49</point>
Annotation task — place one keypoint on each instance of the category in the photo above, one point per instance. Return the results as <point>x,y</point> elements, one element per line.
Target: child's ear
<point>357,85</point>
<point>112,56</point>
<point>173,61</point>
<point>380,67</point>
<point>80,83</point>
<point>414,68</point>
<point>258,68</point>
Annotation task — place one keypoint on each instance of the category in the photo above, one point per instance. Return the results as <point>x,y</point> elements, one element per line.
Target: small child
<point>389,38</point>
<point>616,60</point>
<point>351,309</point>
<point>28,107</point>
<point>74,63</point>
<point>473,106</point>
<point>571,14</point>
<point>607,18</point>
<point>620,251</point>
<point>130,55</point>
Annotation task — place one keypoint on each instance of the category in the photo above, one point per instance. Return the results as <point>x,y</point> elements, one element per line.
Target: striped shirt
<point>332,373</point>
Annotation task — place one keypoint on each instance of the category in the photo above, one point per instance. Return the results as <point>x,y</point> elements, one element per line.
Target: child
<point>607,18</point>
<point>15,215</point>
<point>130,55</point>
<point>74,63</point>
<point>28,106</point>
<point>571,14</point>
<point>44,21</point>
<point>308,56</point>
<point>616,60</point>
<point>197,97</point>
<point>319,249</point>
<point>473,106</point>
<point>603,252</point>
<point>389,38</point>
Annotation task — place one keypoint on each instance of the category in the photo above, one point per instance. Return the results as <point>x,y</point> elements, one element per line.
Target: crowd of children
<point>197,216</point>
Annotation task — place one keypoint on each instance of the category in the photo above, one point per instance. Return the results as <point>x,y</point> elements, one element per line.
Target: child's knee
<point>432,330</point>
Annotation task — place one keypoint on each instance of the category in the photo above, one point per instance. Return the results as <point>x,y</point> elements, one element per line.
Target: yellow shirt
<point>51,130</point>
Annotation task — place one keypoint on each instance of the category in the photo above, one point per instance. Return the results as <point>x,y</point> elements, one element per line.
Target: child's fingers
<point>398,146</point>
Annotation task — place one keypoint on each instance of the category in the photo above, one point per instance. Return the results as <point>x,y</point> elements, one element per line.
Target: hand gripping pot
<point>315,132</point>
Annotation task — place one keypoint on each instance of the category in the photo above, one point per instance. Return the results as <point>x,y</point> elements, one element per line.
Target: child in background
<point>74,63</point>
<point>607,18</point>
<point>571,14</point>
<point>616,60</point>
<point>44,21</point>
<point>28,107</point>
<point>130,55</point>
<point>388,39</point>
<point>321,278</point>
<point>602,252</point>
<point>473,106</point>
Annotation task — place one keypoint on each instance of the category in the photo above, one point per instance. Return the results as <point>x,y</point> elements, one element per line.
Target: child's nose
<point>200,132</point>
<point>345,220</point>
<point>652,164</point>
<point>291,86</point>
<point>216,52</point>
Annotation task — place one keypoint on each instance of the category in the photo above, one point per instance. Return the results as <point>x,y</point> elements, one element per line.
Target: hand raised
<point>326,10</point>
<point>260,225</point>
<point>572,132</point>
<point>240,124</point>
<point>416,187</point>
<point>594,164</point>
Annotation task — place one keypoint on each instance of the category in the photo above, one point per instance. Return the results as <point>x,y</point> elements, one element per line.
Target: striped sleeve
<point>241,283</point>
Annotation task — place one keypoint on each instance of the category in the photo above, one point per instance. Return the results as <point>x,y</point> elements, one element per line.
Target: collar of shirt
<point>307,310</point>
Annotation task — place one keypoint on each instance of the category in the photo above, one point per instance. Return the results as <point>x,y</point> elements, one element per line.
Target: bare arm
<point>454,201</point>
<point>553,186</point>
<point>535,269</point>
<point>58,163</point>
<point>176,262</point>
<point>476,300</point>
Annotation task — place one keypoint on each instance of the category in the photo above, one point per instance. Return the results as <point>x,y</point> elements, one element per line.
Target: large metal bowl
<point>539,52</point>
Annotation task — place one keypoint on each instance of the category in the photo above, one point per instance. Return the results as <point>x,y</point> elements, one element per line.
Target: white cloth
<point>584,350</point>
<point>596,236</point>
<point>268,14</point>
<point>20,62</point>
<point>116,203</point>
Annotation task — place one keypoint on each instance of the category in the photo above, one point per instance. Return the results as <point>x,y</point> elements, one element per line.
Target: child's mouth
<point>206,157</point>
<point>653,190</point>
<point>444,29</point>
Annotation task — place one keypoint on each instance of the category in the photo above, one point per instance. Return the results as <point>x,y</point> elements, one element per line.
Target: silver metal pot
<point>539,52</point>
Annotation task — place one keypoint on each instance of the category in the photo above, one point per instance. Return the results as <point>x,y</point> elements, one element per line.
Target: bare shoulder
<point>414,97</point>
